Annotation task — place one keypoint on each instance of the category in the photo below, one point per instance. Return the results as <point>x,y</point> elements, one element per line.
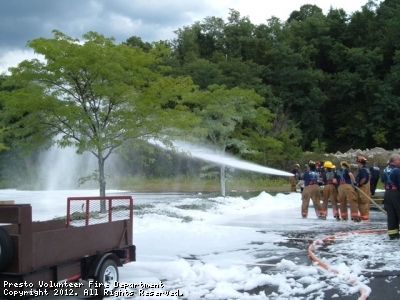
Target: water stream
<point>62,167</point>
<point>210,155</point>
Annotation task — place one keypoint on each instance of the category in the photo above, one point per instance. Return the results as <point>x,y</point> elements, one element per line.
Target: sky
<point>232,248</point>
<point>151,20</point>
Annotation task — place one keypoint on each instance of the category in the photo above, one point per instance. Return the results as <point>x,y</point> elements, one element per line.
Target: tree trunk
<point>102,183</point>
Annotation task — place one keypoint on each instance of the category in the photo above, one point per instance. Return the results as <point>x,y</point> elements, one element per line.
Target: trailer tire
<point>108,273</point>
<point>6,249</point>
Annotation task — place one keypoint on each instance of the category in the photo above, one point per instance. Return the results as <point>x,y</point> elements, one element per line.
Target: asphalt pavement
<point>383,284</point>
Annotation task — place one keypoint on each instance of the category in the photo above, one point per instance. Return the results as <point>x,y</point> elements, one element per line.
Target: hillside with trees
<point>262,92</point>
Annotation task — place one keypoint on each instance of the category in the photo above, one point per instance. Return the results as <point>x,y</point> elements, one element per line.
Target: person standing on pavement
<point>330,191</point>
<point>382,178</point>
<point>311,191</point>
<point>363,190</point>
<point>346,191</point>
<point>294,179</point>
<point>319,169</point>
<point>391,180</point>
<point>375,174</point>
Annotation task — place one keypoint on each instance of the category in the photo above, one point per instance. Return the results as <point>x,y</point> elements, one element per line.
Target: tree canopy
<point>314,79</point>
<point>333,76</point>
<point>93,95</point>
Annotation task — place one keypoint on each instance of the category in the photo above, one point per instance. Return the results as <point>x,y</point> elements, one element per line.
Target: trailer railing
<point>84,211</point>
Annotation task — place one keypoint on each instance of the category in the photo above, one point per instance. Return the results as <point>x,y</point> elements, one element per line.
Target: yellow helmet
<point>328,165</point>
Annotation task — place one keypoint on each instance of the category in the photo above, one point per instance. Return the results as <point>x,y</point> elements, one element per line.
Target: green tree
<point>203,72</point>
<point>93,95</point>
<point>273,139</point>
<point>222,111</point>
<point>318,147</point>
<point>239,40</point>
<point>135,41</point>
<point>3,79</point>
<point>306,11</point>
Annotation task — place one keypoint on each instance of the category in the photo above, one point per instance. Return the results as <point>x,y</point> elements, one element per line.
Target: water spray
<point>208,154</point>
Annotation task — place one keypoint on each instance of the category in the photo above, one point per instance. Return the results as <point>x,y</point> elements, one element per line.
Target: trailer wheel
<point>6,249</point>
<point>108,273</point>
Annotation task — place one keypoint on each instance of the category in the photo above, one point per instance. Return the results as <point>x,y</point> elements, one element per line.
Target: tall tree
<point>93,95</point>
<point>135,41</point>
<point>222,111</point>
<point>273,139</point>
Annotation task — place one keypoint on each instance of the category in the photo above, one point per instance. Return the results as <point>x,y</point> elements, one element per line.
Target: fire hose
<point>364,290</point>
<point>370,199</point>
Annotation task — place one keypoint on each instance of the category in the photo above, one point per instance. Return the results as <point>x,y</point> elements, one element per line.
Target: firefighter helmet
<point>345,164</point>
<point>361,159</point>
<point>328,165</point>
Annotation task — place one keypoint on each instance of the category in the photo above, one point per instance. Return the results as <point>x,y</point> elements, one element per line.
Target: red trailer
<point>90,244</point>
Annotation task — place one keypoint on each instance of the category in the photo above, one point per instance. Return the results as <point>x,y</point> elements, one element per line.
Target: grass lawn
<point>186,184</point>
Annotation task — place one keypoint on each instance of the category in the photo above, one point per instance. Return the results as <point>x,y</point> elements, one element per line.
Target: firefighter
<point>319,169</point>
<point>363,191</point>
<point>385,170</point>
<point>391,179</point>
<point>311,191</point>
<point>346,191</point>
<point>375,174</point>
<point>296,176</point>
<point>330,190</point>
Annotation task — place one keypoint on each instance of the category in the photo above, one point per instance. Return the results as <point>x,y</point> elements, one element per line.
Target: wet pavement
<point>296,238</point>
<point>383,284</point>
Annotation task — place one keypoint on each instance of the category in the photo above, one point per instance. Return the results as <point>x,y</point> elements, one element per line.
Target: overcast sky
<point>152,20</point>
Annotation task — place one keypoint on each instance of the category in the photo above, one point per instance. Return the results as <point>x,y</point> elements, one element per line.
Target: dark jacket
<point>343,176</point>
<point>375,173</point>
<point>296,172</point>
<point>391,177</point>
<point>361,174</point>
<point>310,178</point>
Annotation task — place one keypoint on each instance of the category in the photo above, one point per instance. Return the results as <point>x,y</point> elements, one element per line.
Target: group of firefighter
<point>342,187</point>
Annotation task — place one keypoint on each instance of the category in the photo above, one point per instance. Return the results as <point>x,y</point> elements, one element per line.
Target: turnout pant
<point>311,192</point>
<point>292,180</point>
<point>346,193</point>
<point>363,201</point>
<point>330,193</point>
<point>392,206</point>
